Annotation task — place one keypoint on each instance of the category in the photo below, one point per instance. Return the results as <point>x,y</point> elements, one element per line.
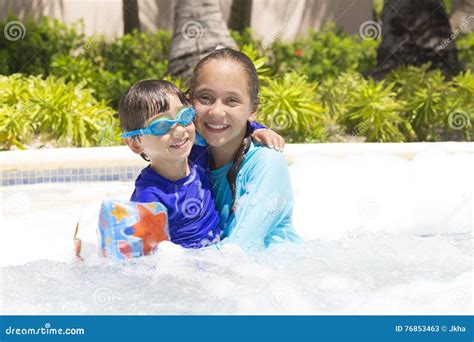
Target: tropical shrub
<point>105,85</point>
<point>312,89</point>
<point>289,106</point>
<point>324,54</point>
<point>431,101</point>
<point>465,45</point>
<point>246,38</point>
<point>374,112</point>
<point>259,61</point>
<point>134,56</point>
<point>28,46</point>
<point>50,109</point>
<point>459,122</point>
<point>335,93</point>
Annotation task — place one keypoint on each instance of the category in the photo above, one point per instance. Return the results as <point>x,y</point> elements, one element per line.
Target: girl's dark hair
<point>238,57</point>
<point>238,160</point>
<point>226,54</point>
<point>144,100</point>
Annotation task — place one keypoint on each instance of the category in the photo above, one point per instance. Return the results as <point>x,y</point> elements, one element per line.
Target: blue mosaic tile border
<point>69,175</point>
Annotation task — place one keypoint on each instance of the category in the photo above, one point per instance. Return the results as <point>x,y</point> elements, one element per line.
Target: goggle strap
<point>135,132</point>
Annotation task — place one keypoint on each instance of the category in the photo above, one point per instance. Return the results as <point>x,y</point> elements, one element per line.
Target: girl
<point>252,186</point>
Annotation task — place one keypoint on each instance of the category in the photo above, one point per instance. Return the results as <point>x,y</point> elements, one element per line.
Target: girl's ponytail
<point>238,160</point>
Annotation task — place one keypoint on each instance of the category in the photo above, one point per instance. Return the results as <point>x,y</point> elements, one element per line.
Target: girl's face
<point>172,146</point>
<point>222,103</point>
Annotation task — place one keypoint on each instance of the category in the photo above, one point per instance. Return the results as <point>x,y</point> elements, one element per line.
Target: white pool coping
<point>41,159</point>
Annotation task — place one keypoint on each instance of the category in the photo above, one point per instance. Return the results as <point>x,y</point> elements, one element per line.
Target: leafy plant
<point>459,121</point>
<point>127,60</point>
<point>465,45</point>
<point>135,56</point>
<point>377,8</point>
<point>425,95</point>
<point>374,112</point>
<point>312,89</point>
<point>335,93</point>
<point>31,44</point>
<point>52,109</point>
<point>246,38</point>
<point>289,106</point>
<point>106,86</point>
<point>259,61</point>
<point>324,54</point>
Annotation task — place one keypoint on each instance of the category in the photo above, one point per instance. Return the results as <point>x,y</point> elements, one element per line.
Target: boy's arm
<point>254,125</point>
<point>264,136</point>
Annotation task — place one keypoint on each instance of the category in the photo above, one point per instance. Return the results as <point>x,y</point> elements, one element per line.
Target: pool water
<point>383,235</point>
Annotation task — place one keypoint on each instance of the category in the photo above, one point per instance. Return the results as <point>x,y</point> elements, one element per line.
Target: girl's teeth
<point>217,126</point>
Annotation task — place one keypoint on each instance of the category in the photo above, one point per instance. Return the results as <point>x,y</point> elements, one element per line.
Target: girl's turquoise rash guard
<point>263,210</point>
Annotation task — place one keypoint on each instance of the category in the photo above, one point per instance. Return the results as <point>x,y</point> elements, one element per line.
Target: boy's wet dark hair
<point>144,100</point>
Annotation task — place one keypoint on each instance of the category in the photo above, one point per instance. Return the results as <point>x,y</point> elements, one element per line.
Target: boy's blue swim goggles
<point>161,126</point>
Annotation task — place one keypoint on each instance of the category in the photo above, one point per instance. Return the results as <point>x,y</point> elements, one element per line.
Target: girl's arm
<point>263,212</point>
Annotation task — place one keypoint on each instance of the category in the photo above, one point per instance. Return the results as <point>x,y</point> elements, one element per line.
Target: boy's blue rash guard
<point>193,220</point>
<point>264,200</point>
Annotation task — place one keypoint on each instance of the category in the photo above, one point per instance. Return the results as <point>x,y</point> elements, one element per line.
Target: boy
<point>158,125</point>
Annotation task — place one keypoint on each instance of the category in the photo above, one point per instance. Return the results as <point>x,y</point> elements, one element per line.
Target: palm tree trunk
<point>463,16</point>
<point>240,15</point>
<point>416,32</point>
<point>131,20</point>
<point>198,28</point>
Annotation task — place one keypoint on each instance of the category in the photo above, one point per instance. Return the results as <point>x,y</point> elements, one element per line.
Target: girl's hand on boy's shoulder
<point>269,138</point>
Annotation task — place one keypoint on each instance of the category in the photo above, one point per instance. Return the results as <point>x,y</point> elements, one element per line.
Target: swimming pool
<point>388,229</point>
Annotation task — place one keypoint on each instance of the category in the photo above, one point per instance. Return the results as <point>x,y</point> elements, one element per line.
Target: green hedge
<point>42,41</point>
<point>37,111</point>
<point>312,88</point>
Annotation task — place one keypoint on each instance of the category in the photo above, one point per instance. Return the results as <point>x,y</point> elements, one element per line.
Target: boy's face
<point>172,146</point>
